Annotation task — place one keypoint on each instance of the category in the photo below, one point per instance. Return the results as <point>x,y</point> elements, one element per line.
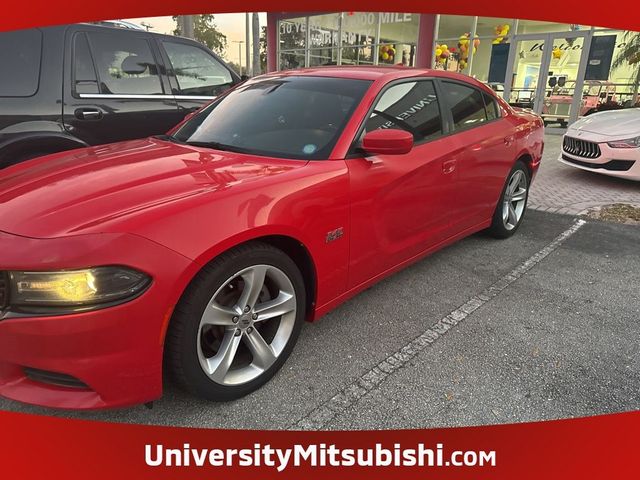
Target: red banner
<point>587,448</point>
<point>623,15</point>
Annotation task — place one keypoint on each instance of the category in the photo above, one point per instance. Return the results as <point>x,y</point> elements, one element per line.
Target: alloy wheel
<point>246,325</point>
<point>515,199</point>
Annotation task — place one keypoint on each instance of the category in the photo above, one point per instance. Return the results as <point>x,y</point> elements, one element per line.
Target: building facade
<point>562,71</point>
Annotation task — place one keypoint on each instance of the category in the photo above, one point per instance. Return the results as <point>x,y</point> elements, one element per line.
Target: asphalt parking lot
<point>552,333</point>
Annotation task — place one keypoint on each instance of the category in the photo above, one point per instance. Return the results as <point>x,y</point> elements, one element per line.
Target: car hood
<point>620,124</point>
<point>81,191</point>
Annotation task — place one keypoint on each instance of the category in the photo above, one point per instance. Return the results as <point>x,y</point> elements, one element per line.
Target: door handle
<point>449,166</point>
<point>508,140</point>
<point>88,114</point>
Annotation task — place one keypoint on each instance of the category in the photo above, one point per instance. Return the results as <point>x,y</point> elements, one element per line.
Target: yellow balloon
<point>438,52</point>
<point>385,56</point>
<point>444,47</point>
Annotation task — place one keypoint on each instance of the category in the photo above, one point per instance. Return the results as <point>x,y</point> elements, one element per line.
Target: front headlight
<point>74,289</point>
<point>630,143</point>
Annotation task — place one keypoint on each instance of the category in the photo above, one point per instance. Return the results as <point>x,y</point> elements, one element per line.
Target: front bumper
<point>615,162</point>
<point>112,356</point>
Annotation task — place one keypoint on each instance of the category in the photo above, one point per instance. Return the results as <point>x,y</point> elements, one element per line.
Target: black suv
<point>77,85</point>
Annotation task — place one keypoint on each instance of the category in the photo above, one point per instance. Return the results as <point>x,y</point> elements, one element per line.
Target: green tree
<point>206,31</point>
<point>630,55</point>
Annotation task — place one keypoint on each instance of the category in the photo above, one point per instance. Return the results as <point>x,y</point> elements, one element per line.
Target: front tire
<point>237,322</point>
<point>512,205</point>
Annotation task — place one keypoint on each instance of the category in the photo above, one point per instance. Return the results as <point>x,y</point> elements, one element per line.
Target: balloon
<point>444,47</point>
<point>385,56</point>
<point>438,52</point>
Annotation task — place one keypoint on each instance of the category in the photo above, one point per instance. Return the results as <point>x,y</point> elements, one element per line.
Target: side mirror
<point>387,142</point>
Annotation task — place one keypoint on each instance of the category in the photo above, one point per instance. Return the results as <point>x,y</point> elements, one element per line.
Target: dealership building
<point>534,64</point>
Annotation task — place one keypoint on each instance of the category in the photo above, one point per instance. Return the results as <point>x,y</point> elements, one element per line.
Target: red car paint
<point>168,209</point>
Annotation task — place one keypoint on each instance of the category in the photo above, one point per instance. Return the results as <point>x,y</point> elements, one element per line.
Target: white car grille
<point>580,148</point>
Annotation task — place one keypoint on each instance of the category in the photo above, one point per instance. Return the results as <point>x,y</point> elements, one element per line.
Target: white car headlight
<point>630,143</point>
<point>42,292</point>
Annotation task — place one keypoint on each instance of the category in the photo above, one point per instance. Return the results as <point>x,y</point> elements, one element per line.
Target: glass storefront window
<point>452,54</point>
<point>534,26</point>
<point>399,27</point>
<point>453,26</point>
<point>323,56</point>
<point>620,86</point>
<point>359,28</point>
<point>497,29</point>
<point>398,38</point>
<point>324,30</point>
<point>292,59</point>
<point>293,33</point>
<point>357,55</point>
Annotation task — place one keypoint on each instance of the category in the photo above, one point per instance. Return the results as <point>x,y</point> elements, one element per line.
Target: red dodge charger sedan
<point>204,250</point>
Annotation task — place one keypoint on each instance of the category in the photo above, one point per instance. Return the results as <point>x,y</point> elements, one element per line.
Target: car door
<point>399,205</point>
<point>115,88</point>
<point>195,74</point>
<point>485,146</point>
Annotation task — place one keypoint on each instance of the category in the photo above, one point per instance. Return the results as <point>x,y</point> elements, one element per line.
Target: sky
<point>231,24</point>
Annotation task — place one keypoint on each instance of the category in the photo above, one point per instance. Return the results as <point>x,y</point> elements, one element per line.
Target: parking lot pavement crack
<point>348,396</point>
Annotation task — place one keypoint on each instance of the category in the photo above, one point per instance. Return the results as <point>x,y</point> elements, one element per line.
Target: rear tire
<point>236,323</point>
<point>512,205</point>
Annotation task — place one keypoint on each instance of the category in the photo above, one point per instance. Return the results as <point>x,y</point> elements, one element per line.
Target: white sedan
<point>605,142</point>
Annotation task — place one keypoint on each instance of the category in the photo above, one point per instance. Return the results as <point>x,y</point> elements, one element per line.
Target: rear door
<point>196,75</point>
<point>115,88</point>
<point>484,145</point>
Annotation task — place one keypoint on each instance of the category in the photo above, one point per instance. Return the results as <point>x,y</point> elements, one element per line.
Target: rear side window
<point>197,71</point>
<point>20,53</point>
<point>410,106</point>
<point>491,106</point>
<point>125,64</point>
<point>466,103</point>
<point>85,79</point>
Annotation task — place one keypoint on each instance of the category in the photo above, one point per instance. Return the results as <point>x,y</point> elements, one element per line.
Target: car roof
<point>374,73</point>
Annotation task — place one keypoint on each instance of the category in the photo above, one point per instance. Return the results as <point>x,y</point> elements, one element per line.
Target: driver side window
<point>410,106</point>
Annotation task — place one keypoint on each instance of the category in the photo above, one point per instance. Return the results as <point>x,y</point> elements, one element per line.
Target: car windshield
<point>298,117</point>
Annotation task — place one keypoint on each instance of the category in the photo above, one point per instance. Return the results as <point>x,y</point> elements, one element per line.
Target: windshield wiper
<point>168,138</point>
<point>218,146</point>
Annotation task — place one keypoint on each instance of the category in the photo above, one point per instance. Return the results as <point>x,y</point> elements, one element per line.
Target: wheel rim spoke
<point>219,364</point>
<point>283,303</point>
<point>262,352</point>
<point>216,314</point>
<point>515,181</point>
<point>513,217</point>
<point>253,282</point>
<point>519,195</point>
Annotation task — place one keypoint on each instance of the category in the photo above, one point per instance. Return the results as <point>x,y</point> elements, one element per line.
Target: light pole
<point>239,42</point>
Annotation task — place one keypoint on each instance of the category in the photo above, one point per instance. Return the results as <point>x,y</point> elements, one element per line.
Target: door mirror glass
<point>387,142</point>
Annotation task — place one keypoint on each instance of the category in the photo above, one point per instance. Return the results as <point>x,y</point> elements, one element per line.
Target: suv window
<point>197,72</point>
<point>411,106</point>
<point>125,64</point>
<point>466,103</point>
<point>20,59</point>
<point>84,72</point>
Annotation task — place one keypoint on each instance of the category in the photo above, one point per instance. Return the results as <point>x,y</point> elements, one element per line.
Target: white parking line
<point>321,415</point>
